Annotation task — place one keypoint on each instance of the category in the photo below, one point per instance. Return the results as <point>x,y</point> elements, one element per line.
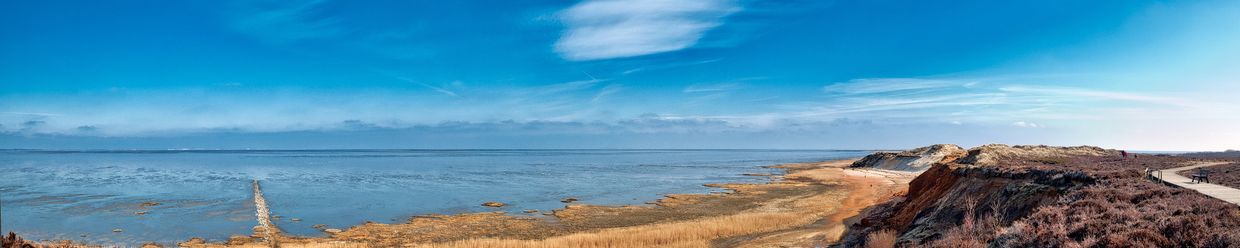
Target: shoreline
<point>787,209</point>
<point>794,199</point>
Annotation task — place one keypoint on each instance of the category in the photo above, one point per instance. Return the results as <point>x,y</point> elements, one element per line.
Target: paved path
<point>1213,190</point>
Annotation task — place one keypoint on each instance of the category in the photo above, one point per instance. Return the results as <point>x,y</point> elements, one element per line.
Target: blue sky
<point>1146,75</point>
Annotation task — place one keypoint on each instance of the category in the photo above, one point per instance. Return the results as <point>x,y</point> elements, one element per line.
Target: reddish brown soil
<point>1042,198</point>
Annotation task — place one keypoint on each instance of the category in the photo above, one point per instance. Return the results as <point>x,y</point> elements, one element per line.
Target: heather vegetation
<point>1226,174</point>
<point>1222,154</point>
<point>1111,213</point>
<point>1045,200</point>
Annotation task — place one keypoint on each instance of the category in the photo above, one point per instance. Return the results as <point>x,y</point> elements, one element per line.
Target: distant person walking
<point>1123,153</point>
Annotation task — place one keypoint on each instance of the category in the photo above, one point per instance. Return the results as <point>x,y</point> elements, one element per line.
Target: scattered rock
<point>295,219</point>
<point>140,213</point>
<point>318,226</point>
<point>494,204</point>
<point>758,174</point>
<point>238,240</point>
<point>192,242</point>
<point>530,211</point>
<point>332,230</point>
<point>148,204</point>
<point>257,230</point>
<point>151,245</point>
<point>117,230</point>
<point>567,200</point>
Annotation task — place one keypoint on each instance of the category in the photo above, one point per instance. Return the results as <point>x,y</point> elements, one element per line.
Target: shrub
<point>881,239</point>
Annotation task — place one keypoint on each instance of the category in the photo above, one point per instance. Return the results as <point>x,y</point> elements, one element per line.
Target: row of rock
<point>501,204</point>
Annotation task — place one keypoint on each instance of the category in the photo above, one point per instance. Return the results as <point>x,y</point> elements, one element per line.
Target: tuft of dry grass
<point>833,234</point>
<point>881,239</point>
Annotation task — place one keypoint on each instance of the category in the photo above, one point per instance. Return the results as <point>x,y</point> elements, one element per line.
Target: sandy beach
<point>804,207</point>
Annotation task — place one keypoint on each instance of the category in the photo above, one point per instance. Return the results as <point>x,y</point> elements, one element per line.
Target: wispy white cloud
<point>1079,93</point>
<point>992,101</point>
<point>1026,124</point>
<point>607,106</point>
<point>608,90</point>
<point>886,85</point>
<point>669,66</point>
<point>717,87</point>
<point>30,114</point>
<point>604,29</point>
<point>568,86</point>
<point>439,89</point>
<point>281,23</point>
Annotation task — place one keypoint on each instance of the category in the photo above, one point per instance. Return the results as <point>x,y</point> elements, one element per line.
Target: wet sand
<point>804,207</point>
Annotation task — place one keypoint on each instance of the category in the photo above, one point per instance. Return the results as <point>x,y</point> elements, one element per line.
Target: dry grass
<point>881,239</point>
<point>695,233</point>
<point>771,219</point>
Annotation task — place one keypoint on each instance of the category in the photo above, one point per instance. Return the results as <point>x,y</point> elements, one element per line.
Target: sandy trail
<point>866,187</point>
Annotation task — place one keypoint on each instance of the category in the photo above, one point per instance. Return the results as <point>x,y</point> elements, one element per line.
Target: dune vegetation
<point>1040,199</point>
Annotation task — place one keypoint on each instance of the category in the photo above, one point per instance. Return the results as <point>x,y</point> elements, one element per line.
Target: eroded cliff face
<point>915,160</point>
<point>962,185</point>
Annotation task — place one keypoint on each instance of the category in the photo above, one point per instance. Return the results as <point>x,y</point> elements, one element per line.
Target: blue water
<point>84,195</point>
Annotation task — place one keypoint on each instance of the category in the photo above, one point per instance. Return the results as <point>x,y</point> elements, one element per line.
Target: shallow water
<point>84,195</point>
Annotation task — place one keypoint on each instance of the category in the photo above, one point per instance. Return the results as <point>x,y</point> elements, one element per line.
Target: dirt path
<point>1220,192</point>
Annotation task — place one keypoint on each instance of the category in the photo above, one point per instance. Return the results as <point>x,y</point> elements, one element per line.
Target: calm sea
<point>84,195</point>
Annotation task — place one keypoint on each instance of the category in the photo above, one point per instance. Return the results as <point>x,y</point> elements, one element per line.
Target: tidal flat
<point>168,196</point>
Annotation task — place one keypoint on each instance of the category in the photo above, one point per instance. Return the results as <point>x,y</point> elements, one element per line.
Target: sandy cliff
<point>1005,196</point>
<point>915,160</point>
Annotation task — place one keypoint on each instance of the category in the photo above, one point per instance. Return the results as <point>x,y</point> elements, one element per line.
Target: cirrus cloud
<point>604,29</point>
